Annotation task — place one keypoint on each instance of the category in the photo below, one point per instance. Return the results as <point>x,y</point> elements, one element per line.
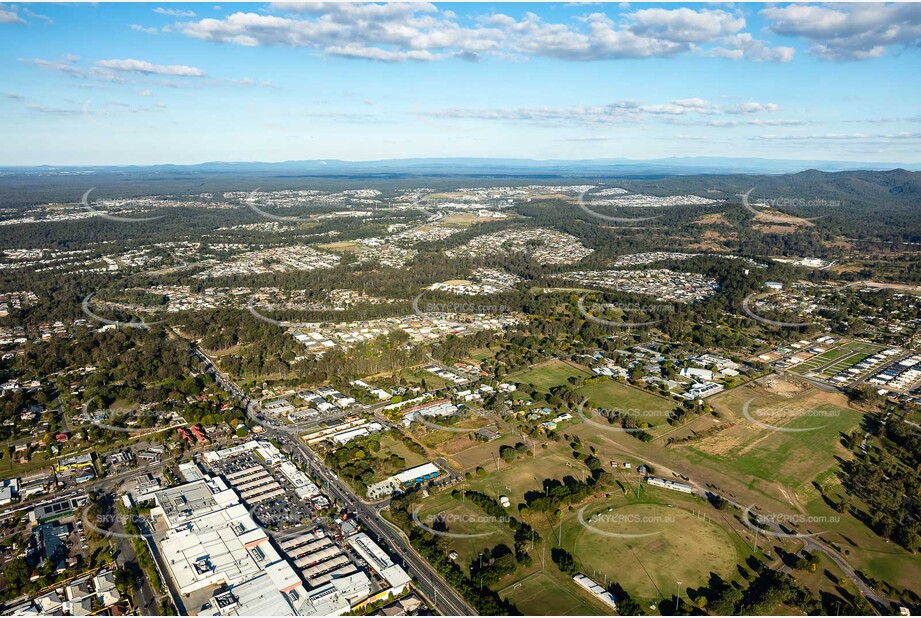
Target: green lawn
<point>612,395</point>
<point>678,544</point>
<point>416,375</point>
<point>527,474</point>
<point>543,594</point>
<point>464,518</point>
<point>549,374</point>
<point>391,446</point>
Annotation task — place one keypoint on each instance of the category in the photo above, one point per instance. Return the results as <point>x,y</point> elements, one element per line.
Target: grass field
<point>395,447</point>
<point>446,442</point>
<point>465,518</point>
<point>543,594</point>
<point>344,246</point>
<point>679,546</point>
<point>613,395</point>
<point>461,220</point>
<point>526,473</point>
<point>845,363</point>
<point>481,354</point>
<point>549,374</point>
<point>415,375</point>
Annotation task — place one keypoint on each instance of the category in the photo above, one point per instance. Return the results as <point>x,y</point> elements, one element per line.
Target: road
<point>144,597</point>
<point>428,581</point>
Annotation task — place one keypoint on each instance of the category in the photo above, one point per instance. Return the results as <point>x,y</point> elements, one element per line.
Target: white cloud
<point>685,25</point>
<point>844,137</point>
<point>33,15</point>
<point>626,111</point>
<point>394,32</point>
<point>144,29</point>
<point>8,15</point>
<point>587,138</point>
<point>145,93</point>
<point>745,46</point>
<point>67,65</point>
<point>376,53</point>
<point>174,12</point>
<point>752,107</point>
<point>54,111</point>
<point>758,122</point>
<point>130,65</point>
<point>849,31</point>
<point>682,106</point>
<point>620,111</point>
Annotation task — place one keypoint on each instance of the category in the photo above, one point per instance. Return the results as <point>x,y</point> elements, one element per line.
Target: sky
<point>183,83</point>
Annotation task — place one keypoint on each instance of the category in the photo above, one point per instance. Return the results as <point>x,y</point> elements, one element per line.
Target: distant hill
<point>486,167</point>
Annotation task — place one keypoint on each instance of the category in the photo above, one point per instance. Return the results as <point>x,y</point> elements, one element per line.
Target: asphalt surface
<point>144,597</point>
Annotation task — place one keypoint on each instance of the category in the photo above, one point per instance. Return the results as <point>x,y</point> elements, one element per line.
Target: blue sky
<point>186,83</point>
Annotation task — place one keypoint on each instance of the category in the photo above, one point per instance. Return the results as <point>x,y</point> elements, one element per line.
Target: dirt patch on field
<point>776,402</point>
<point>714,219</point>
<point>720,444</point>
<point>777,218</point>
<point>712,240</point>
<point>782,387</point>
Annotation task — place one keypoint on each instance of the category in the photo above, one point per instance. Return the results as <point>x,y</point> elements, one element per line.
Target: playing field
<point>678,546</point>
<point>612,395</point>
<point>541,594</point>
<point>549,374</point>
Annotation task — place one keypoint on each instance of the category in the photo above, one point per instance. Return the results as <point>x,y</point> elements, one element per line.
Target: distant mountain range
<point>468,166</point>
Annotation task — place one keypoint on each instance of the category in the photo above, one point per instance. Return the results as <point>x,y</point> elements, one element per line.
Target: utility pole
<point>677,596</point>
